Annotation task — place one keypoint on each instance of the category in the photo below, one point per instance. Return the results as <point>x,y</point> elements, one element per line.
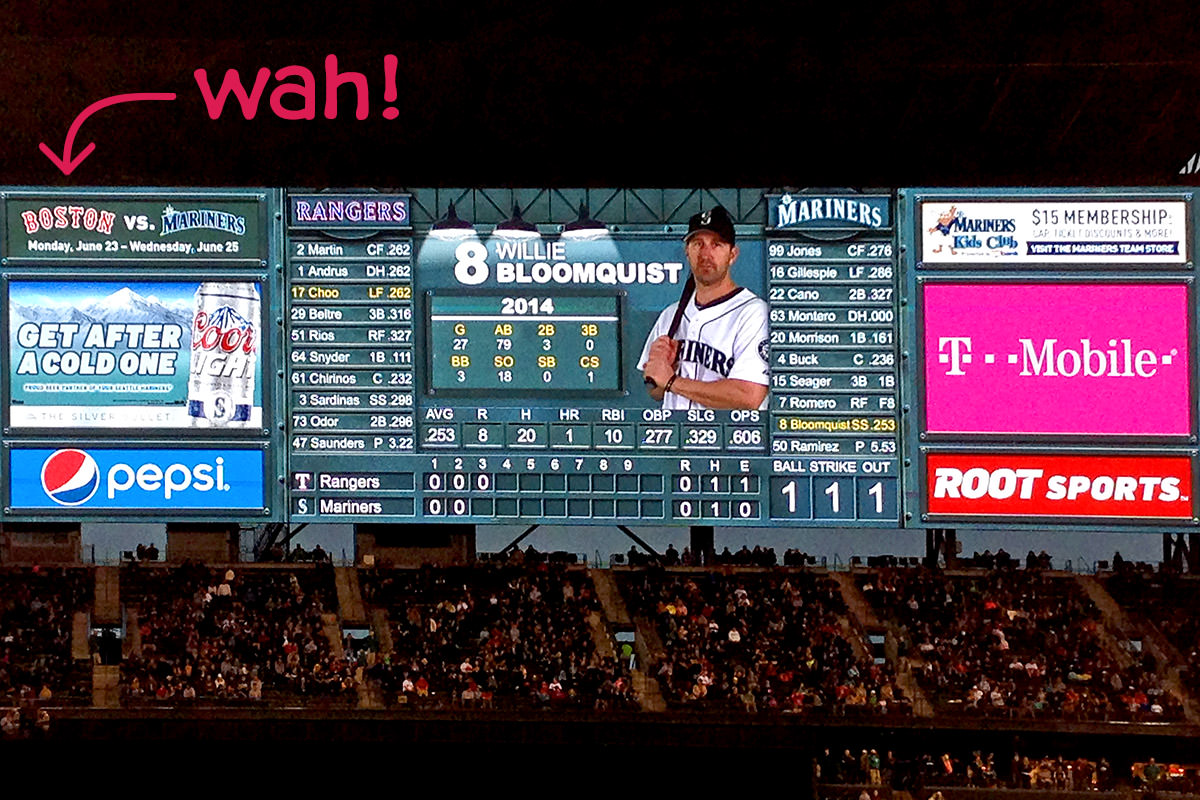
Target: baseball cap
<point>716,219</point>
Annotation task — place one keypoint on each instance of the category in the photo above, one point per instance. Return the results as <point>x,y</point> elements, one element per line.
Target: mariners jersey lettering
<point>724,339</point>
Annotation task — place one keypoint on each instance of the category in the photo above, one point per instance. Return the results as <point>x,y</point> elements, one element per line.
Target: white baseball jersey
<point>723,339</point>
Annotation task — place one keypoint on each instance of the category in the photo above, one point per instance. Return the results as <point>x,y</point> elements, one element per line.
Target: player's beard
<point>710,273</point>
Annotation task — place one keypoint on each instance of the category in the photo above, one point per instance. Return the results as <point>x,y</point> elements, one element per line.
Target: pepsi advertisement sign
<point>136,479</point>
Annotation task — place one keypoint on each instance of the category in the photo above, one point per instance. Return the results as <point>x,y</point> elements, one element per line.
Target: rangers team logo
<point>70,477</point>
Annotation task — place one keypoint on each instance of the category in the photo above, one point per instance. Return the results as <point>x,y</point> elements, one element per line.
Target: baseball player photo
<point>710,350</point>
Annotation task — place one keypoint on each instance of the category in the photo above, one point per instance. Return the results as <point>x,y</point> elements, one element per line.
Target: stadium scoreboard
<point>490,376</point>
<point>934,357</point>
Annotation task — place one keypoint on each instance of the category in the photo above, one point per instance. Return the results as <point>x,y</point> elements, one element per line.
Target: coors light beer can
<point>225,331</point>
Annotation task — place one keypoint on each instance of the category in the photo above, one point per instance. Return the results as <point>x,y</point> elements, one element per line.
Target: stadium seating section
<point>533,635</point>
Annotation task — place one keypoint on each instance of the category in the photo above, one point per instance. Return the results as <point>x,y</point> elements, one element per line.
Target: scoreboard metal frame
<point>520,401</point>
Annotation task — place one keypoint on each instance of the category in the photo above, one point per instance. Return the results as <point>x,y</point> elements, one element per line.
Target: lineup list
<point>350,344</point>
<point>834,378</point>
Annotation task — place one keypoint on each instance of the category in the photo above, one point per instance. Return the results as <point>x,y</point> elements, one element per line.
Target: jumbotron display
<point>506,373</point>
<point>909,358</point>
<point>140,373</point>
<point>1056,333</point>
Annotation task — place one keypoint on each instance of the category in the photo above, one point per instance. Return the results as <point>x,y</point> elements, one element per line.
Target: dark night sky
<point>506,93</point>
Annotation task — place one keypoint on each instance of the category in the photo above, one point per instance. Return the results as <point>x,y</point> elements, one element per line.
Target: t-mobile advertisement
<point>1057,359</point>
<point>1034,485</point>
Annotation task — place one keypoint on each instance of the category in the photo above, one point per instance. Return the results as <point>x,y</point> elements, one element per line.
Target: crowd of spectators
<point>1169,601</point>
<point>745,557</point>
<point>214,634</point>
<point>758,642</point>
<point>37,611</point>
<point>874,773</point>
<point>1015,643</point>
<point>977,769</point>
<point>513,635</point>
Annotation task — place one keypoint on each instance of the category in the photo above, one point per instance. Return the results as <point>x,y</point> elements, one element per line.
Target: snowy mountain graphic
<point>124,306</point>
<point>21,314</point>
<point>226,318</point>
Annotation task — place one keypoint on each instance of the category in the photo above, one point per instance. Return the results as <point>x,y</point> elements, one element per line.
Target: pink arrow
<point>68,164</point>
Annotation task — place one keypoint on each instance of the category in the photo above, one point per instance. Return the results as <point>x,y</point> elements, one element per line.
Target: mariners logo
<point>991,236</point>
<point>70,477</point>
<point>178,221</point>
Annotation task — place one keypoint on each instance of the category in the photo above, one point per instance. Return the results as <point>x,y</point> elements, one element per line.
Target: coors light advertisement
<point>135,354</point>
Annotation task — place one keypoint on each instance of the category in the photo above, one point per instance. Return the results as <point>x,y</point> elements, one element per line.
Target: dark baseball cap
<point>716,219</point>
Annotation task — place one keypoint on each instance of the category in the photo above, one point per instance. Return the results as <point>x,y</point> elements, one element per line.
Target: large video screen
<point>499,373</point>
<point>923,357</point>
<point>140,343</point>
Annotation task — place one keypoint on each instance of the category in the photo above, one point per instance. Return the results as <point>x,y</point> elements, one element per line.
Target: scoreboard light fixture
<point>515,227</point>
<point>451,228</point>
<point>584,228</point>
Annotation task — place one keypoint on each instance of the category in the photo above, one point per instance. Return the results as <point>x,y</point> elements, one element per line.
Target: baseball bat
<point>689,286</point>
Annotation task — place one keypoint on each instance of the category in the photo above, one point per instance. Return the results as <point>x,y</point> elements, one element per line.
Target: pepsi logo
<point>70,477</point>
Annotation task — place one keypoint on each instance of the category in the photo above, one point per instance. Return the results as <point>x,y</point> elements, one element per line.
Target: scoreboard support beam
<point>940,542</point>
<point>639,541</point>
<point>516,543</point>
<point>1181,551</point>
<point>272,540</point>
<point>702,544</point>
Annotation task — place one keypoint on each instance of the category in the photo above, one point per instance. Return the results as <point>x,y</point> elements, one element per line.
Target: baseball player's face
<point>710,257</point>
